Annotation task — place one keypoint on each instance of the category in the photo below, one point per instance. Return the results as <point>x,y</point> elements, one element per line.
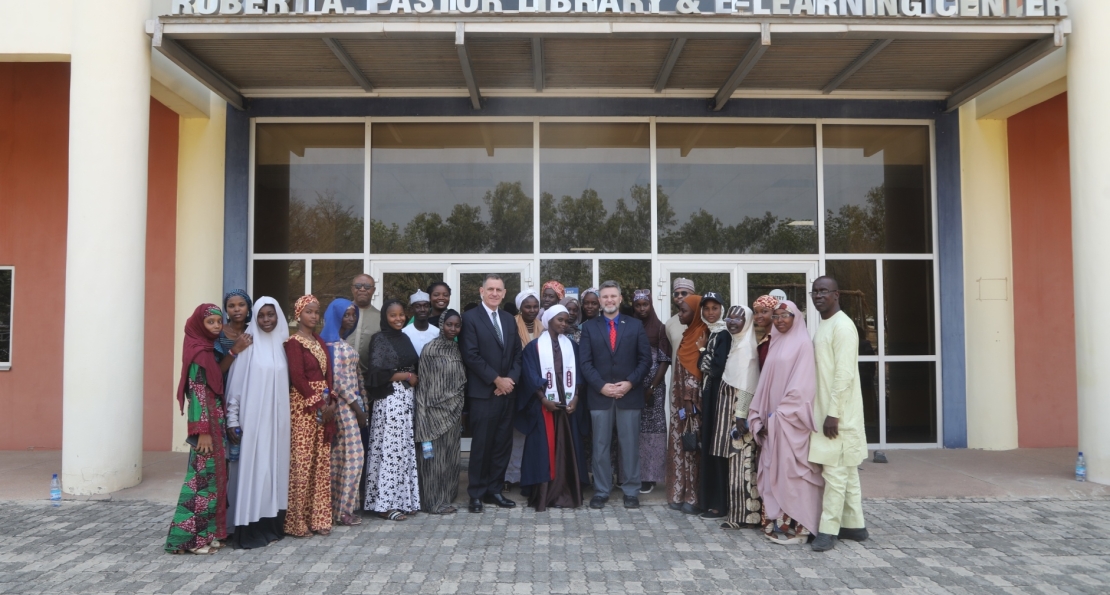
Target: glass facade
<point>743,208</point>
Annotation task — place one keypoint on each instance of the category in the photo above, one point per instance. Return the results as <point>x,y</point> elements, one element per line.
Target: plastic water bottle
<point>1080,468</point>
<point>426,447</point>
<point>55,491</point>
<point>233,448</point>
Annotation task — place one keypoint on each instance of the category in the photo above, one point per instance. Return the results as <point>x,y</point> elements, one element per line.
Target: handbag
<point>690,442</point>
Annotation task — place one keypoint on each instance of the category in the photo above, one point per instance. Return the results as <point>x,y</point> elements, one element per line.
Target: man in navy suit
<point>491,352</point>
<point>615,356</point>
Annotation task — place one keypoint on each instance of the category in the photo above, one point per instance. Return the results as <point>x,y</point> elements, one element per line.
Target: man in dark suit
<point>615,357</point>
<point>491,352</point>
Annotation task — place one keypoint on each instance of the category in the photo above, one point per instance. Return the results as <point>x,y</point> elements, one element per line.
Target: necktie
<point>497,327</point>
<point>612,335</point>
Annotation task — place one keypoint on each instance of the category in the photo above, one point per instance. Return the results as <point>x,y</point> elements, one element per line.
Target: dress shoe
<point>475,505</point>
<point>499,500</point>
<point>631,502</point>
<point>824,542</point>
<point>854,534</point>
<point>598,502</point>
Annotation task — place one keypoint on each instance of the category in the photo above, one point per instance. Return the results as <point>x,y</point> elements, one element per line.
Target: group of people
<point>294,430</point>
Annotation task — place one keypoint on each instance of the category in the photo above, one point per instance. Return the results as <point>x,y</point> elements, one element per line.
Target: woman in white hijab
<point>738,384</point>
<point>258,419</point>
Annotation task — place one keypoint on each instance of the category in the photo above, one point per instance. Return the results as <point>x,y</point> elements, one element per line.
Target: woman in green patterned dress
<point>199,521</point>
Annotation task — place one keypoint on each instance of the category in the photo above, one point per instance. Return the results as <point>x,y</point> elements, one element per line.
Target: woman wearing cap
<point>653,420</point>
<point>781,418</point>
<point>682,461</point>
<point>547,396</point>
<point>714,469</point>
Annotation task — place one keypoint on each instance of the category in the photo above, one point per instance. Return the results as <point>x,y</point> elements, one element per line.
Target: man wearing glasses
<point>681,289</point>
<point>839,445</point>
<point>369,318</point>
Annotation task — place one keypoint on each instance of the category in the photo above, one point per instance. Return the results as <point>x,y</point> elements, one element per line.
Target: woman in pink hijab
<point>781,419</point>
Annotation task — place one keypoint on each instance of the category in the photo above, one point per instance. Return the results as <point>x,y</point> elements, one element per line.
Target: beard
<point>609,309</point>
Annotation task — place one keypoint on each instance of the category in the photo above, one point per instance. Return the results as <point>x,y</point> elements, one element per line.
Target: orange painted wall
<point>161,239</point>
<point>34,179</point>
<point>1044,312</point>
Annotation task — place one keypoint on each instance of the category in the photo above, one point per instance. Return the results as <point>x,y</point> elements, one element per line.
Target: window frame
<point>7,365</point>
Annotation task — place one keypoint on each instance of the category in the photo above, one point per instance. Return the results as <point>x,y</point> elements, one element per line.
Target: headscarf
<point>560,291</point>
<point>520,297</point>
<point>390,351</point>
<point>714,327</point>
<point>333,322</point>
<point>765,301</point>
<point>552,312</point>
<point>742,368</point>
<point>688,352</point>
<point>199,348</point>
<point>582,299</point>
<point>243,294</point>
<point>654,327</point>
<point>446,314</point>
<point>565,302</point>
<point>301,304</point>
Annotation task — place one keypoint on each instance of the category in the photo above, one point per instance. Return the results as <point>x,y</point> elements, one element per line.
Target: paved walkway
<point>998,546</point>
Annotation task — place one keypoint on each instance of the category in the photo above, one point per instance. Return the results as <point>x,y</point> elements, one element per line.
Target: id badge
<point>552,396</point>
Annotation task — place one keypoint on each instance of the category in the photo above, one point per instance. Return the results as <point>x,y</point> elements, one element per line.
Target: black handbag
<point>690,442</point>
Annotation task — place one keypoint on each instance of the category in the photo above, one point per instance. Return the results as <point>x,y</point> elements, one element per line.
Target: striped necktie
<point>497,327</point>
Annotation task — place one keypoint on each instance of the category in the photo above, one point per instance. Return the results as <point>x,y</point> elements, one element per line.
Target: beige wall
<point>36,30</point>
<point>988,288</point>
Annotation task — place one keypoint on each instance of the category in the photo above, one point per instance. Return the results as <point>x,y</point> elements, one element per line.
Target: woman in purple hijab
<point>781,419</point>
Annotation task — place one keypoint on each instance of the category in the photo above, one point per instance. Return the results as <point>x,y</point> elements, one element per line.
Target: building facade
<point>940,159</point>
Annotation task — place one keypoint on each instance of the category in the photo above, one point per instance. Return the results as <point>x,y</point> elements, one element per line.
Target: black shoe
<point>690,509</point>
<point>646,487</point>
<point>674,506</point>
<point>824,542</point>
<point>712,515</point>
<point>475,505</point>
<point>499,500</point>
<point>631,502</point>
<point>598,502</point>
<point>854,534</point>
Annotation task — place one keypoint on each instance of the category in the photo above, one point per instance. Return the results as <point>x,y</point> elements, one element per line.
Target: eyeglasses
<point>362,286</point>
<point>681,294</point>
<point>782,316</point>
<point>821,292</point>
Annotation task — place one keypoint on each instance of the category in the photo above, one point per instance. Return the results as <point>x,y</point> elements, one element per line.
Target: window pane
<point>858,298</point>
<point>631,274</point>
<point>737,188</point>
<point>910,319</point>
<point>282,280</point>
<point>703,282</point>
<point>595,182</point>
<point>308,188</point>
<point>911,402</point>
<point>878,194</point>
<point>451,188</point>
<point>332,279</point>
<point>399,286</point>
<point>792,284</point>
<point>6,315</point>
<point>472,282</point>
<point>571,273</point>
<point>869,386</point>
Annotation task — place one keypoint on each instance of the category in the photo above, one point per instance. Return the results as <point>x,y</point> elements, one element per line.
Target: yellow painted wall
<point>200,230</point>
<point>988,283</point>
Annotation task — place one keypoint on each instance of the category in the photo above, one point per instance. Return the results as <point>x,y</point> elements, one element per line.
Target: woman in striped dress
<point>439,403</point>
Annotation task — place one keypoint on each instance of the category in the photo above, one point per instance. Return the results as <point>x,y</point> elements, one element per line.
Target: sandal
<point>783,539</point>
<point>393,515</point>
<point>711,514</point>
<point>202,551</point>
<point>447,510</point>
<point>324,532</point>
<point>349,520</point>
<point>216,545</point>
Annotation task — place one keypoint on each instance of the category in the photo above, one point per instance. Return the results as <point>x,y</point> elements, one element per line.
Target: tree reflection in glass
<point>451,188</point>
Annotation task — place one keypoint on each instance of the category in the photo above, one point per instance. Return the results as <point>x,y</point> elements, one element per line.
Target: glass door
<point>398,279</point>
<point>739,283</point>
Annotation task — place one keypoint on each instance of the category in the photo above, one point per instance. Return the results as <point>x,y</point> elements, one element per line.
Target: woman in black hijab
<point>392,488</point>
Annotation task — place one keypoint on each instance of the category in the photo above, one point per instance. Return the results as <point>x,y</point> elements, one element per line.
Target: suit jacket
<point>484,357</point>
<point>601,365</point>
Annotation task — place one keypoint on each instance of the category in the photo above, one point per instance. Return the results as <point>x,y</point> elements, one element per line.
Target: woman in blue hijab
<point>340,320</point>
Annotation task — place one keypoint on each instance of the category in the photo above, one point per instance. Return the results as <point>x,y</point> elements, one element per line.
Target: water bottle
<point>233,448</point>
<point>1080,468</point>
<point>55,491</point>
<point>426,447</point>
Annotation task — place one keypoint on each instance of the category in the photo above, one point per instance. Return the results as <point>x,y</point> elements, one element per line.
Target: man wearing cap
<point>681,288</point>
<point>420,332</point>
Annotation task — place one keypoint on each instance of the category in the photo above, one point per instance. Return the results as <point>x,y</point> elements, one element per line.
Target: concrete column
<point>1088,130</point>
<point>988,287</point>
<point>109,119</point>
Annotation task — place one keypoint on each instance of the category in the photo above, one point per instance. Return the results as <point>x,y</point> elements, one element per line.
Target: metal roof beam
<point>668,63</point>
<point>747,63</point>
<point>1004,70</point>
<point>467,69</point>
<point>348,63</point>
<point>537,63</point>
<point>856,64</point>
<point>199,70</point>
